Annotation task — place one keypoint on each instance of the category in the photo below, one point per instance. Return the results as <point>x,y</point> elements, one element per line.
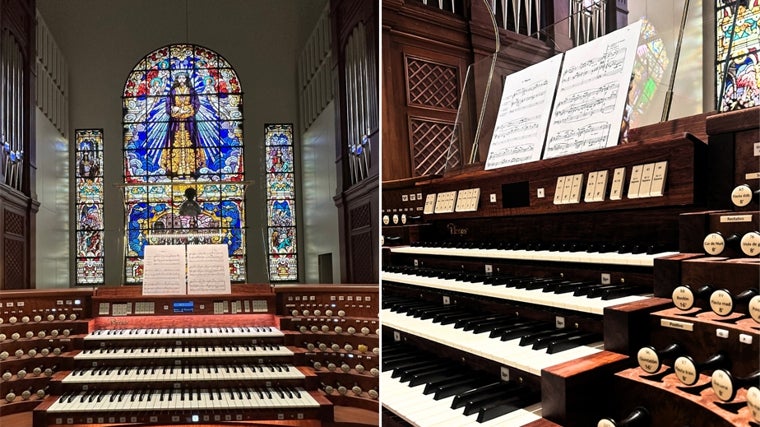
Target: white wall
<point>52,221</point>
<point>319,183</point>
<point>103,40</point>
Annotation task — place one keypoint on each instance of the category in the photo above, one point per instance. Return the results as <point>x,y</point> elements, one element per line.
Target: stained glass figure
<point>183,134</point>
<point>737,70</point>
<point>88,152</point>
<point>280,180</point>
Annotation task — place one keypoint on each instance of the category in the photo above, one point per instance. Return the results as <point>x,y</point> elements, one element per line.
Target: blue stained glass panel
<point>282,213</point>
<point>282,240</point>
<point>279,159</point>
<point>183,129</point>
<point>280,185</point>
<point>89,190</point>
<point>88,173</point>
<point>90,216</point>
<point>736,70</point>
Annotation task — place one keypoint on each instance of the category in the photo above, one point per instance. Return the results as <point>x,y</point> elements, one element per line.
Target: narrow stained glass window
<point>88,152</point>
<point>183,155</point>
<point>281,209</point>
<point>737,68</point>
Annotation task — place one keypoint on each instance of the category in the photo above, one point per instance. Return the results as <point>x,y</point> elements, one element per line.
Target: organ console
<point>714,300</point>
<point>522,289</point>
<point>563,297</point>
<point>110,356</point>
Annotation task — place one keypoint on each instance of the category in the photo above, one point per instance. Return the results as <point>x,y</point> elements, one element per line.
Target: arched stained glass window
<point>88,151</point>
<point>183,147</point>
<point>281,203</point>
<point>740,86</point>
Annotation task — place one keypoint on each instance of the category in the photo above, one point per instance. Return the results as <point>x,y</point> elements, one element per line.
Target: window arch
<point>183,142</point>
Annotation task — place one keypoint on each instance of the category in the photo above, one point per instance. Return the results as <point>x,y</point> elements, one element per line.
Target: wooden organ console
<point>541,282</point>
<point>36,329</point>
<point>111,356</point>
<point>715,311</point>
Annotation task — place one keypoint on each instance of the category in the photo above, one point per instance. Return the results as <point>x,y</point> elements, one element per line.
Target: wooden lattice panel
<point>430,142</point>
<point>14,223</point>
<point>431,85</point>
<point>361,257</point>
<point>360,217</point>
<point>14,263</point>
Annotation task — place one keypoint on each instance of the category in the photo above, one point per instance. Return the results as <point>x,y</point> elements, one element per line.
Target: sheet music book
<point>520,128</point>
<point>592,93</point>
<point>164,270</point>
<point>186,270</point>
<point>208,269</point>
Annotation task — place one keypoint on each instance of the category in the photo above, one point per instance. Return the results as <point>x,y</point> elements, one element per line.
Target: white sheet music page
<point>518,135</point>
<point>592,92</point>
<point>164,270</point>
<point>208,269</point>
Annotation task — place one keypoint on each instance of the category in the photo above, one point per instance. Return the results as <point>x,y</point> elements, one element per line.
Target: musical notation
<point>585,103</point>
<point>164,270</point>
<point>208,269</point>
<point>588,137</point>
<point>591,94</point>
<point>523,114</point>
<point>609,64</point>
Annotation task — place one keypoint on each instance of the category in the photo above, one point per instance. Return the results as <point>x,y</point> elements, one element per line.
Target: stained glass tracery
<point>280,182</point>
<point>183,146</point>
<point>740,85</point>
<point>88,151</point>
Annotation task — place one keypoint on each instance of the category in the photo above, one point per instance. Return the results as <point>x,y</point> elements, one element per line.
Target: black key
<point>622,291</point>
<point>470,396</point>
<point>543,342</point>
<point>524,330</point>
<point>532,338</point>
<point>433,385</point>
<point>576,341</point>
<point>497,331</point>
<point>456,388</point>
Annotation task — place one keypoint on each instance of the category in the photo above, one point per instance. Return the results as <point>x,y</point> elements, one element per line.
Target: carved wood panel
<point>431,145</point>
<point>430,84</point>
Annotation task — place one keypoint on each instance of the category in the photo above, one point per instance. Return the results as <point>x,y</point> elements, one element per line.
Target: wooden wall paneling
<point>417,35</point>
<point>358,222</point>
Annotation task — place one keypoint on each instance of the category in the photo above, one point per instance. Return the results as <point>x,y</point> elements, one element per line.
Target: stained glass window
<point>88,151</point>
<point>648,72</point>
<point>183,155</point>
<point>281,208</point>
<point>740,85</point>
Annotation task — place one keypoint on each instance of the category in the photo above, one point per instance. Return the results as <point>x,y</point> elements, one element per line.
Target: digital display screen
<point>183,306</point>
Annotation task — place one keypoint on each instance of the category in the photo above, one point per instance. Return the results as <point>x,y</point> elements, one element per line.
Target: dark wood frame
<point>18,16</point>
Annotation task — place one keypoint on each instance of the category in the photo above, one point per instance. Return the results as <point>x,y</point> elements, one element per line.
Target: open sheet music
<point>208,269</point>
<point>592,92</point>
<point>520,129</point>
<point>186,270</point>
<point>164,270</point>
